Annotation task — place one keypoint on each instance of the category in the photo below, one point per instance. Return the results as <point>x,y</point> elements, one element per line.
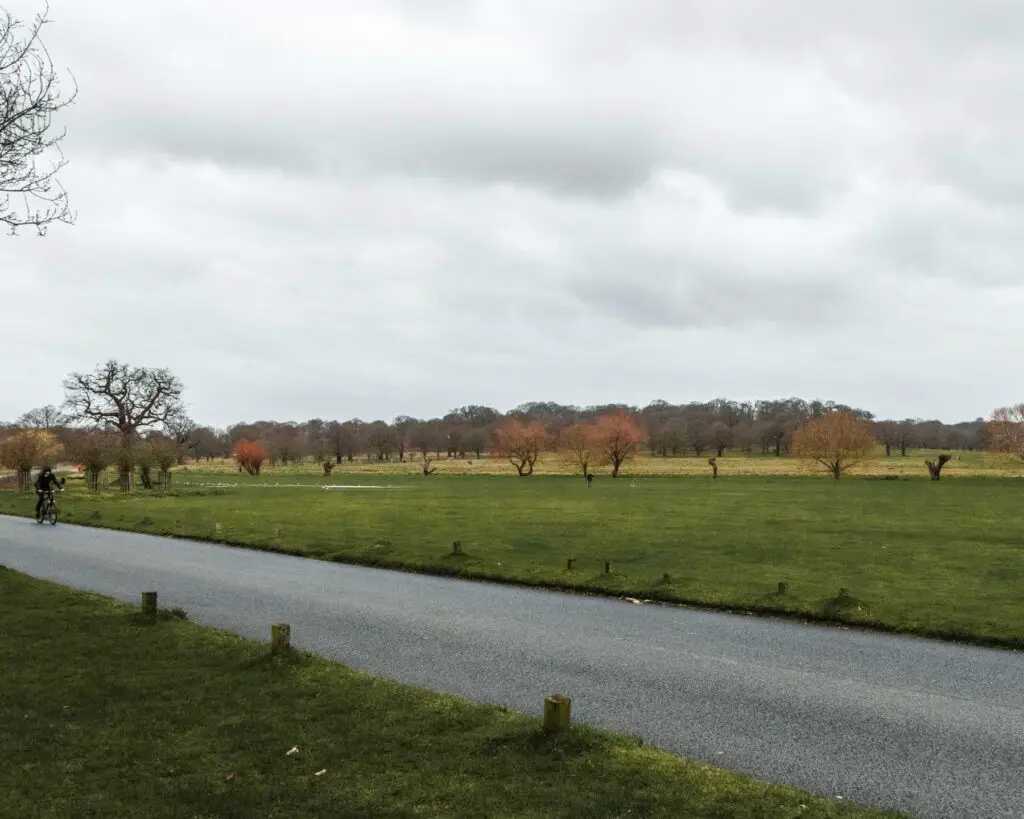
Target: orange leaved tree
<point>617,437</point>
<point>1005,431</point>
<point>836,440</point>
<point>250,455</point>
<point>578,443</point>
<point>520,443</point>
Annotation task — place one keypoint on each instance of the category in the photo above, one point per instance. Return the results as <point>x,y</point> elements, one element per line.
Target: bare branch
<point>30,152</point>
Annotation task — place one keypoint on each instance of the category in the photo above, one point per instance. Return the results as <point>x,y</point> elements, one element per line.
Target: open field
<point>964,464</point>
<point>106,715</point>
<point>941,559</point>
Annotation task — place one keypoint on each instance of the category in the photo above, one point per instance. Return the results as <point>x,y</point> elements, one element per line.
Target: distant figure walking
<point>590,479</point>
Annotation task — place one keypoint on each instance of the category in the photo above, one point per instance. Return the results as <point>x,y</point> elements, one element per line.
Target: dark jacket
<point>45,481</point>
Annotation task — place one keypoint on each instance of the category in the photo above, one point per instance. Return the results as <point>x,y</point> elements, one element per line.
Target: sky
<point>367,208</point>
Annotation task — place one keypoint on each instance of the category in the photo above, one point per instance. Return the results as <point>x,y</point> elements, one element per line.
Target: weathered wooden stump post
<point>280,638</point>
<point>844,592</point>
<point>570,563</point>
<point>666,578</point>
<point>557,713</point>
<point>783,588</point>
<point>456,547</point>
<point>607,567</point>
<point>149,603</point>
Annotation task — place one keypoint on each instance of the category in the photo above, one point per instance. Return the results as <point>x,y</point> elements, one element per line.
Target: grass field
<point>105,715</point>
<point>732,464</point>
<point>941,559</point>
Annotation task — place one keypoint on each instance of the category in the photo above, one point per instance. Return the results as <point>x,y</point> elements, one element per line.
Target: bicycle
<point>49,510</point>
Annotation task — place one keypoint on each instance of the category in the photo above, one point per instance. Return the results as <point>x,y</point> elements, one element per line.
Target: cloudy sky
<point>344,208</point>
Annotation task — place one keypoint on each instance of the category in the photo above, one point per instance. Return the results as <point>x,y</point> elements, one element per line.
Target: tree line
<point>134,418</point>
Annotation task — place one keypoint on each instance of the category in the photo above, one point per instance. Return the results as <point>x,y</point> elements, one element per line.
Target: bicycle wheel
<point>52,516</point>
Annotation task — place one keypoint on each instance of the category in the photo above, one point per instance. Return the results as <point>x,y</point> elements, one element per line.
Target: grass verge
<point>106,715</point>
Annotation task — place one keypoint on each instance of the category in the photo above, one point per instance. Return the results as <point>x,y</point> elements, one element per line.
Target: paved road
<point>930,728</point>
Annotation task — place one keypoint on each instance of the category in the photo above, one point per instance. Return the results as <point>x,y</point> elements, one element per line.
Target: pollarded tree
<point>618,437</point>
<point>94,451</point>
<point>24,449</point>
<point>520,443</point>
<point>837,440</point>
<point>30,154</point>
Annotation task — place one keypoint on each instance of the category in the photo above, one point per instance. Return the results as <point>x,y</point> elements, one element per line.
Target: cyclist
<point>44,482</point>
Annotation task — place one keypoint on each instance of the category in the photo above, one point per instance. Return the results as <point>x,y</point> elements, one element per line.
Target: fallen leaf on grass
<point>229,777</point>
<point>320,773</point>
<point>293,751</point>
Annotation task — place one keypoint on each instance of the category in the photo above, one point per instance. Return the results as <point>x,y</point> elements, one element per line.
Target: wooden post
<point>844,592</point>
<point>557,713</point>
<point>570,563</point>
<point>666,578</point>
<point>280,637</point>
<point>607,567</point>
<point>149,603</point>
<point>456,547</point>
<point>783,588</point>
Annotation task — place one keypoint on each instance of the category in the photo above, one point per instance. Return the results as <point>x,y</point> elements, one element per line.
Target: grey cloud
<point>484,202</point>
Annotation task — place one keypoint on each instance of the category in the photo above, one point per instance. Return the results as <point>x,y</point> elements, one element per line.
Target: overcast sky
<point>342,208</point>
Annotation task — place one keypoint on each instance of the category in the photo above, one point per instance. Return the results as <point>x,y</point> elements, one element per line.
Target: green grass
<point>942,559</point>
<point>105,715</point>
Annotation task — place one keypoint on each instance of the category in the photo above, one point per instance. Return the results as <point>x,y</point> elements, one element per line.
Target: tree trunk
<point>714,467</point>
<point>144,477</point>
<point>888,449</point>
<point>92,480</point>
<point>616,463</point>
<point>124,475</point>
<point>837,470</point>
<point>24,480</point>
<point>935,468</point>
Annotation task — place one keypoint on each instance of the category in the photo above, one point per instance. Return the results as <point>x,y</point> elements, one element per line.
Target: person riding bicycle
<point>44,484</point>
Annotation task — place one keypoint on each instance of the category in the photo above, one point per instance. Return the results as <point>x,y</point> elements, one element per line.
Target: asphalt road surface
<point>930,728</point>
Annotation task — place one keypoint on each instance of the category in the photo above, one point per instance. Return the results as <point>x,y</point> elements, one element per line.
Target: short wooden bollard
<point>666,578</point>
<point>456,547</point>
<point>844,592</point>
<point>557,713</point>
<point>149,604</point>
<point>570,563</point>
<point>607,567</point>
<point>783,588</point>
<point>280,637</point>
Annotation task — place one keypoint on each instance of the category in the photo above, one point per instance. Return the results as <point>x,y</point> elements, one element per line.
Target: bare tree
<point>126,400</point>
<point>30,151</point>
<point>48,417</point>
<point>578,443</point>
<point>1005,431</point>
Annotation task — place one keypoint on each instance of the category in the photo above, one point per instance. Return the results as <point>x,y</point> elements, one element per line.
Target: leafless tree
<point>30,150</point>
<point>48,417</point>
<point>126,400</point>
